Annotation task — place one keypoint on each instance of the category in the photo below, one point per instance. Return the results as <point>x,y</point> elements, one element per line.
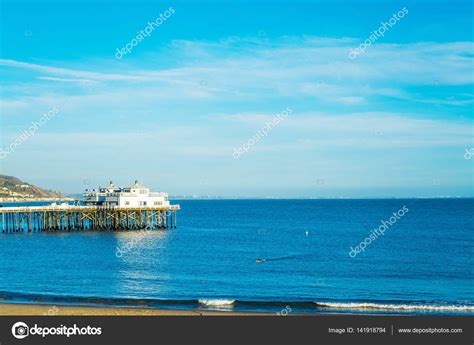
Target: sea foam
<point>400,307</point>
<point>221,303</point>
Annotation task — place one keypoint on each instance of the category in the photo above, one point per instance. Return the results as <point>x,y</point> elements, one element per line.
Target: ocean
<point>281,256</point>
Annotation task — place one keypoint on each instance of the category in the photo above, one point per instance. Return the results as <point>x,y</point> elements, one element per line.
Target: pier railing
<point>75,218</point>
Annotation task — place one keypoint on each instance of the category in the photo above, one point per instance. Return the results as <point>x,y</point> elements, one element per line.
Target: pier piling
<point>85,218</point>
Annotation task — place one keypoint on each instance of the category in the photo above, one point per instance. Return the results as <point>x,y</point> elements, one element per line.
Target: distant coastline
<point>12,189</point>
<point>75,197</point>
<point>15,199</point>
<point>205,197</point>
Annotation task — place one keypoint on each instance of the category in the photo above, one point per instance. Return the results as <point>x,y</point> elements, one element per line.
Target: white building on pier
<point>136,196</point>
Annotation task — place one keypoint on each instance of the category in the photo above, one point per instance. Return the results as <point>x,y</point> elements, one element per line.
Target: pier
<point>70,218</point>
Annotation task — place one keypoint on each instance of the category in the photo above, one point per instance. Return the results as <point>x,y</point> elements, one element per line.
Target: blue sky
<point>394,121</point>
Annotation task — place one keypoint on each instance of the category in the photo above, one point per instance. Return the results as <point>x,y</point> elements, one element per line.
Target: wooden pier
<point>85,218</point>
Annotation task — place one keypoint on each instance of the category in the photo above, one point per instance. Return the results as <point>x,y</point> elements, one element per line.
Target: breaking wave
<point>221,303</point>
<point>396,307</point>
<point>272,306</point>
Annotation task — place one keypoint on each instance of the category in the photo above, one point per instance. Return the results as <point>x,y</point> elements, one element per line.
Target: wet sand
<point>14,309</point>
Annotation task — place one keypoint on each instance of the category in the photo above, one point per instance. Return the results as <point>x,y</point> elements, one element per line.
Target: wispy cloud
<point>292,67</point>
<point>67,80</point>
<point>406,99</point>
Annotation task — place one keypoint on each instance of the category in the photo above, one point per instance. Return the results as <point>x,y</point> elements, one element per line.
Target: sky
<point>184,108</point>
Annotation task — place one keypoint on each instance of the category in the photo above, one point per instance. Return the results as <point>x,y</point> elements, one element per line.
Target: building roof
<point>111,186</point>
<point>136,185</point>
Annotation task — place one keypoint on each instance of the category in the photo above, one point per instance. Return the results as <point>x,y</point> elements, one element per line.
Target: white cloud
<point>309,72</point>
<point>68,80</point>
<point>292,67</point>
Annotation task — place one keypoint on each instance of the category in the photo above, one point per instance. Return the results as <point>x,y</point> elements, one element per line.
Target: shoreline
<point>42,309</point>
<point>30,309</point>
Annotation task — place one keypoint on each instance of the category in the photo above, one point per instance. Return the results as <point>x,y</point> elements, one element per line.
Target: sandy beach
<point>14,309</point>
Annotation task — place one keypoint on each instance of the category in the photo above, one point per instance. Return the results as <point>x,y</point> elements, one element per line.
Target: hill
<point>14,189</point>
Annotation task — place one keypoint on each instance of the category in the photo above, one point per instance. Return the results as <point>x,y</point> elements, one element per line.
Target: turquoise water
<point>423,263</point>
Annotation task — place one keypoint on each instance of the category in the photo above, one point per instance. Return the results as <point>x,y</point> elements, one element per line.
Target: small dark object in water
<point>260,260</point>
